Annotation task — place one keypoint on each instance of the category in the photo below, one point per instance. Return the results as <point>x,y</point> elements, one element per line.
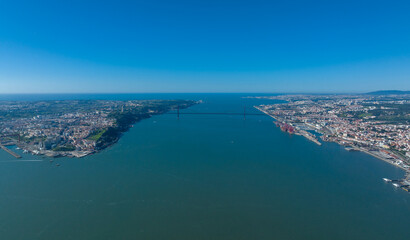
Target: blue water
<point>202,177</point>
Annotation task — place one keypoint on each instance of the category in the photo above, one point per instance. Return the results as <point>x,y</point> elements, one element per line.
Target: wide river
<point>202,177</point>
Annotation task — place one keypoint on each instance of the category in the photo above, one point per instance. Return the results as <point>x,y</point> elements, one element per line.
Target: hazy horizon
<point>101,93</point>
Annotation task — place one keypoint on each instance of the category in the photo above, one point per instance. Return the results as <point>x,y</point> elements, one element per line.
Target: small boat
<point>396,184</point>
<point>57,164</point>
<point>386,180</point>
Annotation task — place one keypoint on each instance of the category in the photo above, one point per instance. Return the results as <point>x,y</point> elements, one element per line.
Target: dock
<point>9,151</point>
<point>310,137</point>
<point>304,133</point>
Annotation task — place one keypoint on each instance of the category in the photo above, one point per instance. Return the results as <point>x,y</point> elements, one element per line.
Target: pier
<point>309,136</point>
<point>9,151</point>
<point>303,133</point>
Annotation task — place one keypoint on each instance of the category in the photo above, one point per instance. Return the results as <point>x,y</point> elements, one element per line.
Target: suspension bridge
<point>244,113</point>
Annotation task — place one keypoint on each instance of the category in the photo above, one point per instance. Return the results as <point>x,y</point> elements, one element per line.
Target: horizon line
<point>67,93</point>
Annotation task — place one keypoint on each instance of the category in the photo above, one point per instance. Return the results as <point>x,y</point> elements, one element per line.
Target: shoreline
<point>9,151</point>
<point>300,132</point>
<point>406,170</point>
<point>111,136</point>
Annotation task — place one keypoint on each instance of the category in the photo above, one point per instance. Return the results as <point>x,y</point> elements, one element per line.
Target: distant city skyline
<point>204,46</point>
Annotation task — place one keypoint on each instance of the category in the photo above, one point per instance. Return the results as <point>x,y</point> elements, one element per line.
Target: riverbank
<point>375,153</point>
<point>77,144</point>
<point>407,170</point>
<point>306,135</point>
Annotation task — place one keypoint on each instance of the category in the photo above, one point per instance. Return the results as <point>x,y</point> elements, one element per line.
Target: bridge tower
<point>244,113</point>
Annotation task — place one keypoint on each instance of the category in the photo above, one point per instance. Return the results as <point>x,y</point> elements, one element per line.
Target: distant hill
<point>388,92</point>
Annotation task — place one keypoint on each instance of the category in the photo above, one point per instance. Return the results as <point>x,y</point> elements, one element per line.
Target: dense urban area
<point>375,123</point>
<point>73,128</point>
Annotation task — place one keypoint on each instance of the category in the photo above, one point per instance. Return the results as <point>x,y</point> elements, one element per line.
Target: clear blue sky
<point>204,46</point>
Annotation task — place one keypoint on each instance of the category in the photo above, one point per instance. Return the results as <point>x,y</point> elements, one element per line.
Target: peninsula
<point>74,128</point>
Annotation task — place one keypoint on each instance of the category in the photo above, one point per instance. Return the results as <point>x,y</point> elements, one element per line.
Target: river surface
<point>202,177</point>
